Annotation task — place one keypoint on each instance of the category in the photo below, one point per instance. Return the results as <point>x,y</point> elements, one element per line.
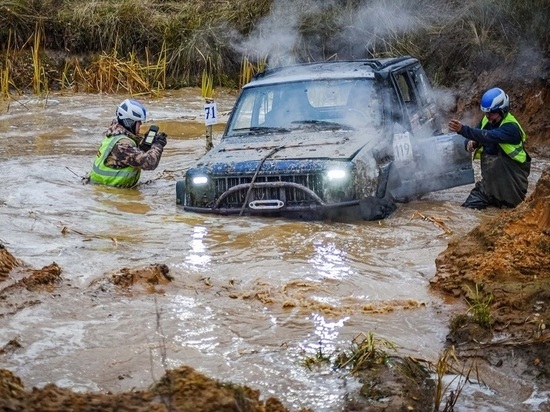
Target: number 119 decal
<point>402,148</point>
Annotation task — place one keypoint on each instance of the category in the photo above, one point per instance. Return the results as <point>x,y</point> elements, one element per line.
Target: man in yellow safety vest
<point>499,142</point>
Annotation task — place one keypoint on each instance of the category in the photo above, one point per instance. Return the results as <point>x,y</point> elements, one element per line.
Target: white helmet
<point>129,112</point>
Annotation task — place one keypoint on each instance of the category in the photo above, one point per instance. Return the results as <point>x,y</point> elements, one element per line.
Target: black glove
<point>160,138</point>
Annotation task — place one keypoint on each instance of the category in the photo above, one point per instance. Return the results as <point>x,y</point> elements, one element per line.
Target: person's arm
<point>456,126</point>
<point>507,133</point>
<point>126,154</point>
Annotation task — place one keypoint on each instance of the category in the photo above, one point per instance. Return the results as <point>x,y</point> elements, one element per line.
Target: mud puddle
<point>250,298</point>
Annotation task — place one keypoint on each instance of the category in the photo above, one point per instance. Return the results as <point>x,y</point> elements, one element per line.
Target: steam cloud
<point>356,34</point>
<point>375,26</point>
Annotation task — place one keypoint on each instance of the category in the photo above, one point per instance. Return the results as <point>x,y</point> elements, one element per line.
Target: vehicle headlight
<point>200,180</point>
<point>337,175</point>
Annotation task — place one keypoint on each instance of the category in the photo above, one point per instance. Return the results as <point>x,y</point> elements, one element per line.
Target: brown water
<point>252,297</point>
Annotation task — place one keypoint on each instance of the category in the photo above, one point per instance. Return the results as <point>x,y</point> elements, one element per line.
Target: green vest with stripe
<point>515,151</point>
<point>126,177</point>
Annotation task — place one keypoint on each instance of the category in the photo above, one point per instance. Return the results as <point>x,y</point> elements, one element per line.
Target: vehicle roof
<point>363,68</point>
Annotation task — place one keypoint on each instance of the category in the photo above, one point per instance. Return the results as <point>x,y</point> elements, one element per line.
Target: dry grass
<point>447,394</point>
<point>207,82</point>
<point>39,81</point>
<point>110,73</point>
<point>171,43</point>
<point>249,69</point>
<point>5,78</point>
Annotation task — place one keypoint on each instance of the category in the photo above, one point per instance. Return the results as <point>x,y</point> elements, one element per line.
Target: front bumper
<point>255,202</point>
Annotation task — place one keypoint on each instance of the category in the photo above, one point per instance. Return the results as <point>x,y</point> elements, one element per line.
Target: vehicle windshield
<point>283,107</point>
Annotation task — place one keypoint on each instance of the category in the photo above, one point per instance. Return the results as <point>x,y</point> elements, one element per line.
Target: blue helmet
<point>495,100</point>
<point>129,112</point>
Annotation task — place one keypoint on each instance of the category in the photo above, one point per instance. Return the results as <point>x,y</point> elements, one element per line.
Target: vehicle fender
<point>180,193</point>
<point>382,204</point>
<point>366,172</point>
<point>383,178</point>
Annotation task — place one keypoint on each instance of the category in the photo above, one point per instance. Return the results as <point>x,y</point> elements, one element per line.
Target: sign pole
<point>210,118</point>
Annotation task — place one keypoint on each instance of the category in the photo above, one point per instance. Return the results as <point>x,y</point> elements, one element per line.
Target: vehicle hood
<point>330,144</point>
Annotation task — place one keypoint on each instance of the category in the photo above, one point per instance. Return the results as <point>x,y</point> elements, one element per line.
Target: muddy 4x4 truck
<point>327,140</point>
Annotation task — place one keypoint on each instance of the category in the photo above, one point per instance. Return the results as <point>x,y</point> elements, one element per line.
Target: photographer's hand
<point>160,139</point>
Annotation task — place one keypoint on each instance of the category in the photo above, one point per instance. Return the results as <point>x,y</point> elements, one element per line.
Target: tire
<point>374,208</point>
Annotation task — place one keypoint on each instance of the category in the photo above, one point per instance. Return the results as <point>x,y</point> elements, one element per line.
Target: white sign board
<point>210,114</point>
<point>402,148</point>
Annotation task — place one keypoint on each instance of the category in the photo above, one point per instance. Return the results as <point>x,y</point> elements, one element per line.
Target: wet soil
<point>502,268</point>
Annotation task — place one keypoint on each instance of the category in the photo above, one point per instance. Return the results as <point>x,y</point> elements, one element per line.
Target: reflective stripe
<point>515,151</point>
<point>113,172</point>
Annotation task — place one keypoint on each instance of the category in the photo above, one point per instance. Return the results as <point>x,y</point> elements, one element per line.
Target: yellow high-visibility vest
<point>126,177</point>
<point>515,151</point>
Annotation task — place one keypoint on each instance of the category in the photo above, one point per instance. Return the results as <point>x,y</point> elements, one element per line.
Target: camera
<point>149,137</point>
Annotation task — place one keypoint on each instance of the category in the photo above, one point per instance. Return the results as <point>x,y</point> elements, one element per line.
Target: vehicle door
<point>427,159</point>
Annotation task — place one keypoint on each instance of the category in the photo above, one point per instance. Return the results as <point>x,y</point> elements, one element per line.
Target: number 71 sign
<point>210,114</point>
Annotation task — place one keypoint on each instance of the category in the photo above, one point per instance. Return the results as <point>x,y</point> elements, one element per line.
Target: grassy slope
<point>454,42</point>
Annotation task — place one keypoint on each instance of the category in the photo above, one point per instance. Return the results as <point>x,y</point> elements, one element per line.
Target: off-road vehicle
<point>328,139</point>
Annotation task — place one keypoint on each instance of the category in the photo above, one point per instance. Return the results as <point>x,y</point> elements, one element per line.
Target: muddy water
<point>251,299</point>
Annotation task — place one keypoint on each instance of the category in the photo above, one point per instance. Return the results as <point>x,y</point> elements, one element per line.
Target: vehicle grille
<point>290,195</point>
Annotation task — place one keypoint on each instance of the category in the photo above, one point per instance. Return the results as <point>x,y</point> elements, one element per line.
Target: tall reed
<point>5,72</point>
<point>39,81</point>
<point>249,69</point>
<point>454,40</point>
<point>207,81</point>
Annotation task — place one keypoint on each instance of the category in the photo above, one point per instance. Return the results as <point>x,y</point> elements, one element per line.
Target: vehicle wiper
<point>323,124</point>
<point>261,130</point>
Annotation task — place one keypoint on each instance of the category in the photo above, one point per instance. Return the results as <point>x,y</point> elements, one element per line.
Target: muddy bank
<point>181,389</point>
<point>502,270</point>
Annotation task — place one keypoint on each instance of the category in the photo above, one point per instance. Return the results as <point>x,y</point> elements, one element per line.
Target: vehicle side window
<point>409,94</point>
<point>404,85</point>
<point>421,82</point>
<point>427,113</point>
<point>402,104</point>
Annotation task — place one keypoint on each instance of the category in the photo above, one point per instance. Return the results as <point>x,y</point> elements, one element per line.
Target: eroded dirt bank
<point>502,269</point>
<point>182,389</point>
